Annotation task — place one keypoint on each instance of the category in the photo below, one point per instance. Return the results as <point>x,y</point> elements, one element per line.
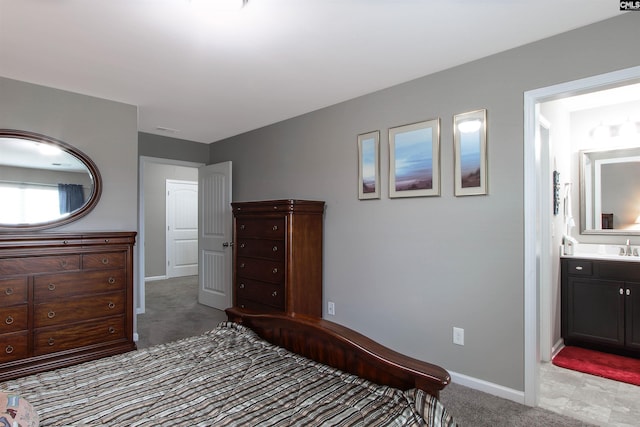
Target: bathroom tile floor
<point>589,398</point>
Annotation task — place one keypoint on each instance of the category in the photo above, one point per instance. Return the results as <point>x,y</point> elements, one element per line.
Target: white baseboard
<point>154,278</point>
<point>559,345</point>
<point>487,387</point>
<point>136,337</point>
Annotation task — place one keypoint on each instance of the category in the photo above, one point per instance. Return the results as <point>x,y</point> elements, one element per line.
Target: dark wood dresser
<point>277,264</point>
<point>64,299</point>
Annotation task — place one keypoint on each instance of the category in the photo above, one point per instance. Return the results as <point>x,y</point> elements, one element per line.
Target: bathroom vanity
<point>601,302</point>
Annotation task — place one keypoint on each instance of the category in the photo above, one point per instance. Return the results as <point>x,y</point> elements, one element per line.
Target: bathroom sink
<point>608,252</point>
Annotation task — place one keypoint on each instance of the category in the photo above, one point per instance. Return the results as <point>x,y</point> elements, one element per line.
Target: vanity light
<point>469,126</point>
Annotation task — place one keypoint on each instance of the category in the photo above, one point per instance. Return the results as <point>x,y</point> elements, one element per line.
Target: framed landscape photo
<point>369,165</point>
<point>470,153</point>
<point>414,157</point>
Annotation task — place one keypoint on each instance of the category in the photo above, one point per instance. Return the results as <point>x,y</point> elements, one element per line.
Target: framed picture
<point>470,153</point>
<point>369,165</point>
<point>414,156</point>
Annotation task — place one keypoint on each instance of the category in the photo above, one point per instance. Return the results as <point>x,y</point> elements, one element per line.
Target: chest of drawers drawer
<point>260,269</point>
<point>78,309</point>
<point>13,291</point>
<point>103,260</point>
<point>61,286</point>
<point>266,228</point>
<point>267,293</point>
<point>40,264</point>
<point>14,318</point>
<point>13,346</point>
<point>260,248</point>
<point>50,340</point>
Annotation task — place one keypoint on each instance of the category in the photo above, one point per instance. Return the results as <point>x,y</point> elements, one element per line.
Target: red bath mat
<point>612,366</point>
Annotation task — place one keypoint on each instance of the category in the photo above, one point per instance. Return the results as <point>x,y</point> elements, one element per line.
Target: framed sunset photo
<point>369,165</point>
<point>414,157</point>
<point>470,153</point>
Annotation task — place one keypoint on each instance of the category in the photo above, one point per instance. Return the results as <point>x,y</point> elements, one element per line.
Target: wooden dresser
<point>64,299</point>
<point>278,256</point>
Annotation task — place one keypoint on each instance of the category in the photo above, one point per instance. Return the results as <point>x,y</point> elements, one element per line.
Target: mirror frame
<point>90,165</point>
<point>583,154</point>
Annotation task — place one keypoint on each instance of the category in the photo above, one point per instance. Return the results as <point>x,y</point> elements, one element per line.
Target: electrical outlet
<point>458,336</point>
<point>331,308</point>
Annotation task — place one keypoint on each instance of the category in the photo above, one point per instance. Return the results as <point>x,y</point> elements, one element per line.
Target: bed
<point>253,370</point>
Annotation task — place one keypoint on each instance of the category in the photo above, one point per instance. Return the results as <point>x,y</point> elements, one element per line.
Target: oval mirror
<point>44,182</point>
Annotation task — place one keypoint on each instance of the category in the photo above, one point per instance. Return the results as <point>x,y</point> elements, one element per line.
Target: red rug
<point>612,366</point>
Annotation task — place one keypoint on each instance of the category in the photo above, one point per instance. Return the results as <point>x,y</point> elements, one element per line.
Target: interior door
<point>182,228</point>
<point>215,222</point>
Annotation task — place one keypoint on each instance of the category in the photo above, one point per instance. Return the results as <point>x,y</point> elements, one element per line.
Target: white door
<point>182,228</point>
<point>215,234</point>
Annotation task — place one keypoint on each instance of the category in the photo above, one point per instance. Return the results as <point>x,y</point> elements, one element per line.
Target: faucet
<point>628,248</point>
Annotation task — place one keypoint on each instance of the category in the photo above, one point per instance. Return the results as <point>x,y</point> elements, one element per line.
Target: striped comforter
<point>228,376</point>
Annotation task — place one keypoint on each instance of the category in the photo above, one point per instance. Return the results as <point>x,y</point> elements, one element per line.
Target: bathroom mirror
<point>44,182</point>
<point>610,191</point>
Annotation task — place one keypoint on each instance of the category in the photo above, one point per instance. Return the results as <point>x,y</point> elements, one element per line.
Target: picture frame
<point>470,153</point>
<point>369,165</point>
<point>414,158</point>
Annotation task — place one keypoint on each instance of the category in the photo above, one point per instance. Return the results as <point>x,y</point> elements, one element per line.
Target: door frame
<point>139,295</point>
<point>533,215</point>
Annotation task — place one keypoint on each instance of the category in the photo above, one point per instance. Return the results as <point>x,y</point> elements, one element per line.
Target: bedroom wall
<point>405,271</point>
<point>106,131</point>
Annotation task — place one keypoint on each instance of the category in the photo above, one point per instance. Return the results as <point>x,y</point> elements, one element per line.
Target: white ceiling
<point>206,77</point>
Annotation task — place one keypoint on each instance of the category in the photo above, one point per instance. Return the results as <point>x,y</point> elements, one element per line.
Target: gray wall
<point>172,148</point>
<point>106,131</point>
<point>405,271</point>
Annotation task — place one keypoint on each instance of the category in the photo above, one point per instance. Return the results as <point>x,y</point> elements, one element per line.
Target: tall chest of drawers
<point>278,256</point>
<point>64,299</point>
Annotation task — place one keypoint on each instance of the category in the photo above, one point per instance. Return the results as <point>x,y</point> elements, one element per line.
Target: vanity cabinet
<point>64,299</point>
<point>601,304</point>
<point>277,263</point>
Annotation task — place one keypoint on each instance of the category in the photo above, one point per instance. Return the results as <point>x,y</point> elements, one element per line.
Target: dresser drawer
<point>255,305</point>
<point>579,267</point>
<point>55,339</point>
<point>267,228</point>
<point>13,291</point>
<point>267,293</point>
<point>13,346</point>
<point>103,260</point>
<point>56,286</point>
<point>270,249</point>
<point>260,269</point>
<point>78,309</point>
<point>14,318</point>
<point>39,264</point>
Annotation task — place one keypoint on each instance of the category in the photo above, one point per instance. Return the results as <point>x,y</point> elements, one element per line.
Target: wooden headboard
<point>342,348</point>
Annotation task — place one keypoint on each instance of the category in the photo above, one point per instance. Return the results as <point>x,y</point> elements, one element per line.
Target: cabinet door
<point>632,311</point>
<point>595,311</point>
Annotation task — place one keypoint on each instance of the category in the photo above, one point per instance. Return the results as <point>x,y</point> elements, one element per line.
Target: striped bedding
<point>225,377</point>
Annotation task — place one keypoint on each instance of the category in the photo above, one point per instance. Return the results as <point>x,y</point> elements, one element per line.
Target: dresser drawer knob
<point>628,291</point>
<point>274,249</point>
<point>242,265</point>
<point>51,314</point>
<point>63,263</point>
<point>106,240</point>
<point>112,305</point>
<point>65,242</point>
<point>51,341</point>
<point>242,226</point>
<point>8,291</point>
<point>112,280</point>
<point>105,261</point>
<point>274,294</point>
<point>112,330</point>
<point>8,349</point>
<point>51,287</point>
<point>275,270</point>
<point>242,245</point>
<point>579,268</point>
<point>8,320</point>
<point>241,286</point>
<point>621,291</point>
<point>241,305</point>
<point>274,228</point>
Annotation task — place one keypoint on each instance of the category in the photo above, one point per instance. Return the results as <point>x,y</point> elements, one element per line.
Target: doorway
<point>537,217</point>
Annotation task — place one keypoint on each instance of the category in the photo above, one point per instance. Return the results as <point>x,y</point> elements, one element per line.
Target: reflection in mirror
<point>610,191</point>
<point>43,182</point>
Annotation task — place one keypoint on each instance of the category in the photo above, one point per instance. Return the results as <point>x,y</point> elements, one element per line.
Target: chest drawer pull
<point>51,341</point>
<point>105,261</point>
<point>8,291</point>
<point>51,314</point>
<point>275,270</point>
<point>8,349</point>
<point>8,320</point>
<point>579,268</point>
<point>628,292</point>
<point>275,249</point>
<point>242,245</point>
<point>274,228</point>
<point>242,226</point>
<point>112,305</point>
<point>242,265</point>
<point>51,287</point>
<point>112,280</point>
<point>241,285</point>
<point>274,294</point>
<point>112,330</point>
<point>621,291</point>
